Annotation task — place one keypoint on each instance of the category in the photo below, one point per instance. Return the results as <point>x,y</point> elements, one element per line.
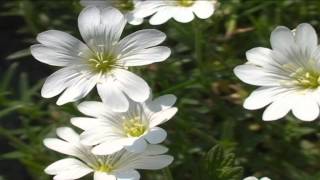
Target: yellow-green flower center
<point>102,62</point>
<point>124,5</point>
<point>186,3</point>
<point>303,77</point>
<point>134,127</point>
<point>105,168</point>
<point>307,80</point>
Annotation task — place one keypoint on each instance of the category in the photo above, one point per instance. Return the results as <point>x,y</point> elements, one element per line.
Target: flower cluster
<point>161,10</point>
<point>121,165</point>
<point>121,133</point>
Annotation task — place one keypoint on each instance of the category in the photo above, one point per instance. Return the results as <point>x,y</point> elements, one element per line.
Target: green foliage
<point>220,165</point>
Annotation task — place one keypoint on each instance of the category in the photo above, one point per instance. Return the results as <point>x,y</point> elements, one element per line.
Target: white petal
<point>64,42</point>
<point>112,96</point>
<point>88,20</point>
<point>156,135</point>
<point>162,102</point>
<point>60,146</point>
<point>140,40</point>
<point>265,178</point>
<point>138,146</point>
<point>251,178</point>
<point>53,56</point>
<point>92,108</point>
<point>68,168</point>
<point>100,26</point>
<point>78,90</point>
<point>183,15</point>
<point>85,123</point>
<point>278,109</point>
<point>305,108</point>
<point>97,135</point>
<point>162,116</point>
<point>59,81</point>
<point>281,39</point>
<point>261,97</point>
<point>147,8</point>
<point>109,146</point>
<point>255,75</point>
<point>306,37</point>
<point>153,149</point>
<point>135,21</point>
<point>146,56</point>
<point>162,16</point>
<point>134,86</point>
<point>260,56</point>
<point>128,175</point>
<point>68,134</point>
<point>132,19</point>
<point>115,20</point>
<point>203,9</point>
<point>103,176</point>
<point>152,162</point>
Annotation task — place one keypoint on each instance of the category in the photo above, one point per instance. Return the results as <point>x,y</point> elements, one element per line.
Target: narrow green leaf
<point>19,54</point>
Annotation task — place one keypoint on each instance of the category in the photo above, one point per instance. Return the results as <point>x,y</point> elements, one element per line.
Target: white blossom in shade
<point>254,178</point>
<point>110,131</point>
<point>289,74</point>
<point>118,166</point>
<point>127,7</point>
<point>103,61</point>
<point>182,11</point>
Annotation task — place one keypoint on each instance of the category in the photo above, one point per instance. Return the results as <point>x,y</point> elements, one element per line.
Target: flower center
<point>134,127</point>
<point>124,5</point>
<point>105,168</point>
<point>186,3</point>
<point>307,80</point>
<point>301,76</point>
<point>102,62</point>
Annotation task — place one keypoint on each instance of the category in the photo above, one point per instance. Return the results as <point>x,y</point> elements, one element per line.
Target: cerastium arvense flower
<point>103,61</point>
<point>289,74</point>
<point>121,165</point>
<point>121,133</point>
<point>182,11</point>
<point>129,8</point>
<point>112,131</point>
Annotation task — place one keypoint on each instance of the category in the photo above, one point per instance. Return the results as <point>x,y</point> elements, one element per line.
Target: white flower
<point>118,166</point>
<point>127,7</point>
<point>181,10</point>
<point>102,61</point>
<point>113,131</point>
<point>254,178</point>
<point>289,74</point>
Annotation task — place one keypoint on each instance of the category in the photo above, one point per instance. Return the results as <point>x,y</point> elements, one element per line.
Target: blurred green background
<point>199,73</point>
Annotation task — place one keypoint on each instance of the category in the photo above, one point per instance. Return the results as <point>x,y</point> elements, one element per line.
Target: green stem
<point>180,86</point>
<point>198,45</point>
<point>167,173</point>
<point>6,133</point>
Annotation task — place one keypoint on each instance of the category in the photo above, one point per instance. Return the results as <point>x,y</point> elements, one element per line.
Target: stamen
<point>301,77</point>
<point>124,5</point>
<point>134,127</point>
<point>102,62</point>
<point>105,168</point>
<point>186,3</point>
